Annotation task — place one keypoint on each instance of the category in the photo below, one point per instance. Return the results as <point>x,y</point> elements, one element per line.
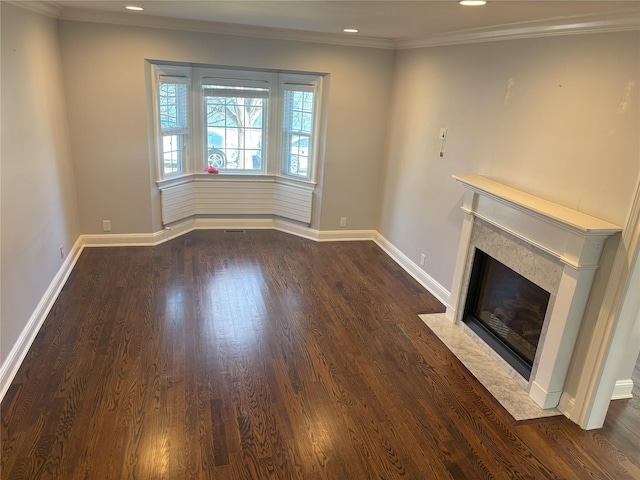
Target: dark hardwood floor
<point>262,355</point>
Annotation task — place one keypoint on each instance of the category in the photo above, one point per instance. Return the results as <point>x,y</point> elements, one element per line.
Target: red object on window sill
<point>211,169</point>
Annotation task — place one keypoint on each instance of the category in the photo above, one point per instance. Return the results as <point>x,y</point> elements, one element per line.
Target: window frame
<point>308,83</point>
<point>180,75</point>
<point>273,158</point>
<point>234,78</point>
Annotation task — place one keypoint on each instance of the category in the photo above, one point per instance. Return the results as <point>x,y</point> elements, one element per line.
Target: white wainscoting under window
<point>204,195</point>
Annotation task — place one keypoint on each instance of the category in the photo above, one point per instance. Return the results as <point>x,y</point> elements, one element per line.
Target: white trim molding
<point>345,235</point>
<point>48,9</point>
<point>10,366</point>
<point>623,389</point>
<point>612,21</point>
<point>616,320</point>
<point>616,21</point>
<point>200,26</point>
<point>294,228</point>
<point>423,278</point>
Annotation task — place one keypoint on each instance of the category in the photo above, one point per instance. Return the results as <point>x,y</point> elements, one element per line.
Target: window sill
<point>231,177</point>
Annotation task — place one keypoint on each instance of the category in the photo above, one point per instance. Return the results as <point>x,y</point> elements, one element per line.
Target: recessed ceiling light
<point>350,30</point>
<point>473,3</point>
<point>131,7</point>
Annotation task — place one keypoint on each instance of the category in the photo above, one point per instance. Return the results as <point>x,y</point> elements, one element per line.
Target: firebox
<point>506,310</point>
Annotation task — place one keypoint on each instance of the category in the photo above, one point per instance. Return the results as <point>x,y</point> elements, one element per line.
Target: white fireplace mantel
<point>573,238</point>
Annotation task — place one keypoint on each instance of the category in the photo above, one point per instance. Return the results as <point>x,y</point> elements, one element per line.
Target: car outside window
<point>234,122</point>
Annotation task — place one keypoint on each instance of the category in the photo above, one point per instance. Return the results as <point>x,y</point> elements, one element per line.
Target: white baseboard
<point>567,404</point>
<point>346,235</point>
<point>543,398</point>
<point>175,230</point>
<point>10,366</point>
<point>451,313</point>
<point>119,240</point>
<point>180,228</point>
<point>623,389</point>
<point>437,290</point>
<point>296,229</point>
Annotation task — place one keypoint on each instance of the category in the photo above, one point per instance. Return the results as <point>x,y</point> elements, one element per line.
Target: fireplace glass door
<point>506,310</point>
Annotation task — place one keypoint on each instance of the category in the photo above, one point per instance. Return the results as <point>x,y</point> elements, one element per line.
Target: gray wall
<point>104,68</point>
<point>554,117</point>
<point>38,195</point>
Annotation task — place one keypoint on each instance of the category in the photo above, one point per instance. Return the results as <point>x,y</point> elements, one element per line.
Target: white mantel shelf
<point>573,238</point>
<point>553,211</point>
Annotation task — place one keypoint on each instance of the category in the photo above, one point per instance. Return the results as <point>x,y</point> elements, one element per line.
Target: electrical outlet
<point>61,251</point>
<point>343,221</point>
<point>106,225</point>
<point>423,258</point>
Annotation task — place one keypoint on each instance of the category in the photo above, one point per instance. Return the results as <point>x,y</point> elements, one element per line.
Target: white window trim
<point>273,170</point>
<point>312,83</point>
<point>210,76</point>
<point>195,158</point>
<point>178,73</point>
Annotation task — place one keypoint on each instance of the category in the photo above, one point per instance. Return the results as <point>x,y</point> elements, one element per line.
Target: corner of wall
<point>423,278</point>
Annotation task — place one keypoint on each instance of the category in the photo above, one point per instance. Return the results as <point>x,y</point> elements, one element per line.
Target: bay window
<point>239,121</point>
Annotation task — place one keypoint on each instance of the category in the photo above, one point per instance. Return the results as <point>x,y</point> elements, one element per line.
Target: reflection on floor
<point>505,389</point>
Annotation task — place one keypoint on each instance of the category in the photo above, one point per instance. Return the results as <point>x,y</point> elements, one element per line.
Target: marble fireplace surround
<point>554,247</point>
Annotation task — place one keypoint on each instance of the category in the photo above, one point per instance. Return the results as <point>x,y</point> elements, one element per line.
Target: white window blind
<point>298,129</point>
<point>173,108</point>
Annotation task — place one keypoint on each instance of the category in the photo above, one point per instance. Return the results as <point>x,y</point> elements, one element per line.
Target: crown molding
<point>117,18</point>
<point>42,7</point>
<point>617,21</point>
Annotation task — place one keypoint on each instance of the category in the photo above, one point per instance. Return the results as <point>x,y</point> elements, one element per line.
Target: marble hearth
<point>554,247</point>
<point>487,370</point>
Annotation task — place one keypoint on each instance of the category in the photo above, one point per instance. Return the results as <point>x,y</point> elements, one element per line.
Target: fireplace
<point>506,310</point>
<point>551,249</point>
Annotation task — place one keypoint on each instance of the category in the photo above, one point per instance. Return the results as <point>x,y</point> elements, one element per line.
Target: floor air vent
<point>234,231</point>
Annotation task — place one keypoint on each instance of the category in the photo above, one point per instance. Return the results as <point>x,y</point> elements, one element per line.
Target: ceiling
<point>396,22</point>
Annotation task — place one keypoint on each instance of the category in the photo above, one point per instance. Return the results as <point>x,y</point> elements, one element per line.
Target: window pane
<point>234,131</point>
<point>173,106</point>
<point>297,130</point>
<point>173,109</point>
<point>172,149</point>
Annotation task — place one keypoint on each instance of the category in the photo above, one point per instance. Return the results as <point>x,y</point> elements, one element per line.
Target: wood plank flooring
<point>261,355</point>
